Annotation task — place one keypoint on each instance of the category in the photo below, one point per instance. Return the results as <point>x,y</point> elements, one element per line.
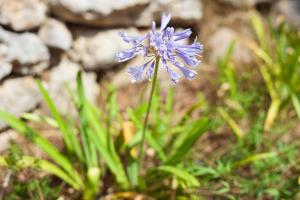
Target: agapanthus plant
<point>163,45</point>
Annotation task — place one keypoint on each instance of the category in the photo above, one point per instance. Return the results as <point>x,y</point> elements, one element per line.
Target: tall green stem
<point>141,156</point>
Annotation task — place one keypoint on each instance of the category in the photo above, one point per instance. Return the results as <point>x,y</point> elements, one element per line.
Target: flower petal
<point>183,34</point>
<point>194,48</point>
<point>189,60</point>
<point>153,27</point>
<point>126,55</point>
<point>168,32</point>
<point>164,21</point>
<point>188,73</point>
<point>150,70</point>
<point>136,73</point>
<point>134,40</point>
<point>173,75</point>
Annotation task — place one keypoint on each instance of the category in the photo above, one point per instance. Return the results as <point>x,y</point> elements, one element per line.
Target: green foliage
<point>94,148</point>
<point>278,50</point>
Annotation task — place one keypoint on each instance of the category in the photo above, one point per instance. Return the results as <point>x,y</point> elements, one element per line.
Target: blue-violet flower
<point>165,44</point>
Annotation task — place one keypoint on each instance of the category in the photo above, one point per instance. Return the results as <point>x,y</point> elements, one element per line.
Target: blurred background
<point>53,39</point>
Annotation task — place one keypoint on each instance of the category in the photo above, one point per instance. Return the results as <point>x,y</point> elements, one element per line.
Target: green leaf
<point>255,157</point>
<point>84,125</point>
<point>239,133</point>
<point>40,118</point>
<point>180,173</point>
<point>203,170</point>
<point>133,170</point>
<point>259,28</point>
<point>296,103</point>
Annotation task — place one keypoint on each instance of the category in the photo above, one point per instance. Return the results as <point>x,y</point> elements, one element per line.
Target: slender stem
<point>141,156</point>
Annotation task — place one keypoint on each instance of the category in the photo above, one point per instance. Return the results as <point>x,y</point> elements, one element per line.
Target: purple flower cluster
<point>165,44</point>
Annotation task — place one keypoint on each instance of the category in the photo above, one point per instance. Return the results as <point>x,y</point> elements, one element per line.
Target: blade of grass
<point>133,171</point>
<point>180,174</point>
<point>40,118</point>
<point>260,30</point>
<point>296,104</point>
<point>238,132</point>
<point>272,113</point>
<point>168,106</point>
<point>255,157</point>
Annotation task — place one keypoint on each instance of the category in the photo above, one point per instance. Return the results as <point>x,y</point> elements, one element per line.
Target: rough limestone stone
<point>186,13</point>
<point>17,96</point>
<point>5,69</point>
<point>55,34</point>
<point>107,13</point>
<point>101,13</point>
<point>25,50</point>
<point>22,15</point>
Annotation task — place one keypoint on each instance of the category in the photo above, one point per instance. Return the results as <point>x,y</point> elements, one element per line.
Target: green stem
<point>141,156</point>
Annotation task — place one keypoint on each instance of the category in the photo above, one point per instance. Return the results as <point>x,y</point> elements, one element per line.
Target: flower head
<point>165,44</point>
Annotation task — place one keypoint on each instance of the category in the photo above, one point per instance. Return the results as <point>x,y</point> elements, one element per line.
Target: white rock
<point>22,15</point>
<point>185,13</point>
<point>104,7</point>
<point>112,13</point>
<point>24,48</point>
<point>17,96</point>
<point>55,34</point>
<point>99,12</point>
<point>33,69</point>
<point>65,73</point>
<point>98,50</point>
<point>5,69</point>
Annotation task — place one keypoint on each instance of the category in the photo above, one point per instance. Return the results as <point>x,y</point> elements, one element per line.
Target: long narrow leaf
<point>239,133</point>
<point>190,180</point>
<point>256,157</point>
